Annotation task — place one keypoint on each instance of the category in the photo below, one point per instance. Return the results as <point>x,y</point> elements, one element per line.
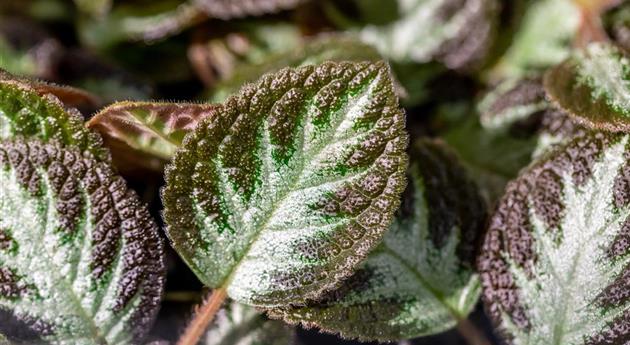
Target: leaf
<point>317,51</point>
<point>420,280</point>
<point>25,111</point>
<point>243,325</point>
<point>16,61</point>
<point>456,33</point>
<point>554,264</point>
<point>151,132</point>
<point>617,23</point>
<point>593,87</point>
<point>286,189</point>
<point>536,46</point>
<point>95,8</point>
<point>81,260</point>
<point>228,9</point>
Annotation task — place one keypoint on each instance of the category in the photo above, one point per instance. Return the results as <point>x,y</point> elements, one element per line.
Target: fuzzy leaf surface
<point>81,260</point>
<point>594,87</point>
<point>30,111</point>
<point>420,280</point>
<point>333,48</point>
<point>282,193</point>
<point>149,130</point>
<point>456,33</point>
<point>554,264</point>
<point>244,325</point>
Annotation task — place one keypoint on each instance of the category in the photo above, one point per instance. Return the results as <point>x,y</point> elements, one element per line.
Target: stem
<point>471,333</point>
<point>203,317</point>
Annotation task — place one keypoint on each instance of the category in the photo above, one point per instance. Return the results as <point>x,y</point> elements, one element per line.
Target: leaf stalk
<point>203,316</point>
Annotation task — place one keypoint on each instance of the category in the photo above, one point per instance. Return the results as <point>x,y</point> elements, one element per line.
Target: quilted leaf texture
<point>30,110</point>
<point>81,261</point>
<point>554,264</point>
<point>287,189</point>
<point>594,87</point>
<point>420,280</point>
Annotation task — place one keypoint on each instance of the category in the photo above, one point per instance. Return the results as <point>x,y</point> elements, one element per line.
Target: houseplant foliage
<point>375,170</point>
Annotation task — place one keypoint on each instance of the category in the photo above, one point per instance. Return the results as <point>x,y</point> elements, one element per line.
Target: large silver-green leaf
<point>594,87</point>
<point>29,110</point>
<point>149,131</point>
<point>244,325</point>
<point>456,33</point>
<point>420,280</point>
<point>543,40</point>
<point>282,193</point>
<point>80,258</point>
<point>327,48</point>
<point>555,261</point>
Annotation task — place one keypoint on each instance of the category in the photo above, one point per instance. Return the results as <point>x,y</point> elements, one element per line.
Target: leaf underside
<point>29,111</point>
<point>244,325</point>
<point>594,87</point>
<point>148,131</point>
<point>282,193</point>
<point>555,261</point>
<point>80,257</point>
<point>420,280</point>
<point>456,33</point>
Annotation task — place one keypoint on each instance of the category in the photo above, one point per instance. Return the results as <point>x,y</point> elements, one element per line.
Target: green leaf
<point>420,280</point>
<point>555,261</point>
<point>28,110</point>
<point>543,40</point>
<point>95,8</point>
<point>150,131</point>
<point>81,260</point>
<point>16,61</point>
<point>228,9</point>
<point>327,48</point>
<point>243,325</point>
<point>456,33</point>
<point>287,188</point>
<point>594,87</point>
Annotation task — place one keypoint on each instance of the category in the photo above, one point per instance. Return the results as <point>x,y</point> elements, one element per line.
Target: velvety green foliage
<point>283,192</point>
<point>543,39</point>
<point>594,87</point>
<point>457,33</point>
<point>420,280</point>
<point>554,264</point>
<point>149,131</point>
<point>81,261</point>
<point>327,48</point>
<point>28,110</point>
<point>244,325</point>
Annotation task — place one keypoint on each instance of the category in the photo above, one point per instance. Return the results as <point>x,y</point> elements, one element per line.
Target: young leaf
<point>80,257</point>
<point>283,192</point>
<point>148,131</point>
<point>593,86</point>
<point>25,111</point>
<point>554,265</point>
<point>536,46</point>
<point>327,48</point>
<point>420,280</point>
<point>513,103</point>
<point>456,33</point>
<point>243,325</point>
<point>228,9</point>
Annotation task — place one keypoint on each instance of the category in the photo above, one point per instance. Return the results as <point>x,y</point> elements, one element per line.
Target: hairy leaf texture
<point>536,46</point>
<point>594,87</point>
<point>244,325</point>
<point>80,257</point>
<point>150,131</point>
<point>227,9</point>
<point>554,264</point>
<point>458,33</point>
<point>420,280</point>
<point>282,193</point>
<point>317,51</point>
<point>30,110</point>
